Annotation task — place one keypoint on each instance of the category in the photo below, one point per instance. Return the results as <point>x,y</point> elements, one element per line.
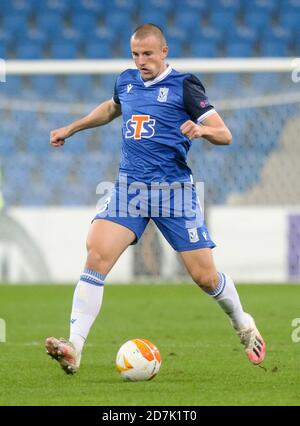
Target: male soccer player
<point>163,110</point>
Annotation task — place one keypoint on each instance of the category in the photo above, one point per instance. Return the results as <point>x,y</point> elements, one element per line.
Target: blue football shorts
<point>175,210</point>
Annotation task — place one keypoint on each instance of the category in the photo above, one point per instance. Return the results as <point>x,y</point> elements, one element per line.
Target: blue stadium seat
<point>233,5</point>
<point>108,80</point>
<point>155,16</point>
<point>261,6</point>
<point>29,50</point>
<point>66,34</point>
<point>85,23</point>
<point>102,91</point>
<point>33,35</point>
<point>38,142</point>
<point>247,169</point>
<point>289,6</point>
<point>56,5</point>
<point>44,85</point>
<point>122,5</point>
<point>65,50</point>
<point>94,6</point>
<point>50,22</point>
<point>14,24</point>
<point>77,145</point>
<point>102,34</point>
<point>181,47</point>
<point>92,169</point>
<point>176,34</point>
<point>209,170</point>
<point>36,194</point>
<point>80,85</point>
<point>111,137</point>
<point>119,21</point>
<point>242,33</point>
<point>56,167</point>
<point>176,49</point>
<point>10,196</point>
<point>76,194</point>
<point>7,142</point>
<point>19,169</point>
<point>13,86</point>
<point>3,50</point>
<point>239,49</point>
<point>274,49</point>
<point>204,49</point>
<point>165,6</point>
<point>277,33</point>
<point>227,83</point>
<point>17,6</point>
<point>290,20</point>
<point>265,82</point>
<point>63,94</point>
<point>56,119</point>
<point>124,48</point>
<point>257,20</point>
<point>190,5</point>
<point>187,20</point>
<point>23,118</point>
<point>6,37</point>
<point>208,33</point>
<point>98,50</point>
<point>7,125</point>
<point>222,20</point>
<point>295,48</point>
<point>282,37</point>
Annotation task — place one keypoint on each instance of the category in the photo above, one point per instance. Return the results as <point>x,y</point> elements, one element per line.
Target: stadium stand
<point>32,29</point>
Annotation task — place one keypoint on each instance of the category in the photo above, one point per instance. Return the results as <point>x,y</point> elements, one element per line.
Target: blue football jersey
<point>153,147</point>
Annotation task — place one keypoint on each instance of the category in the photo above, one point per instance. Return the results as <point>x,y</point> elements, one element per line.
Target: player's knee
<point>95,259</point>
<point>207,280</point>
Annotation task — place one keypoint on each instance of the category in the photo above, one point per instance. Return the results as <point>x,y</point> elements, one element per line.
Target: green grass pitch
<point>203,361</point>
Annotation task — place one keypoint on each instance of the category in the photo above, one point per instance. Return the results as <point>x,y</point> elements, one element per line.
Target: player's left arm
<point>204,121</point>
<point>212,128</point>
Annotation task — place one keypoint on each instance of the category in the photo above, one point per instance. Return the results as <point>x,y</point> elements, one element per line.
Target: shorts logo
<point>140,126</point>
<point>193,235</point>
<point>163,94</point>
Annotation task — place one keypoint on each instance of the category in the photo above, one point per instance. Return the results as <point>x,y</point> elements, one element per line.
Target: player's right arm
<point>103,114</point>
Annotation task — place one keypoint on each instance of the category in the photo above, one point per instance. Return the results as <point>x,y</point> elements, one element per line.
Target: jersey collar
<point>159,78</point>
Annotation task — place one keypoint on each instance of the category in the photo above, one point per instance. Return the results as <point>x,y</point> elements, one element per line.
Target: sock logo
<point>73,320</point>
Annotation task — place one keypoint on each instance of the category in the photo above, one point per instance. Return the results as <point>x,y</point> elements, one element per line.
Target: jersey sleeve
<point>115,97</point>
<point>195,101</point>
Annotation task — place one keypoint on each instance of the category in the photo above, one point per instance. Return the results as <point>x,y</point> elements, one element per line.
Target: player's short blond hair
<point>147,30</point>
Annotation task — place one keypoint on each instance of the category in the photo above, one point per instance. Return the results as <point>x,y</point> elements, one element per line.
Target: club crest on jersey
<point>163,94</point>
<point>129,87</point>
<point>140,126</point>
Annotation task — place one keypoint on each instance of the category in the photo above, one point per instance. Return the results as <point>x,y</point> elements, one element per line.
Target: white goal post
<point>104,66</point>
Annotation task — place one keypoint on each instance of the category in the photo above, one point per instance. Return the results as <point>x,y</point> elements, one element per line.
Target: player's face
<point>149,56</point>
